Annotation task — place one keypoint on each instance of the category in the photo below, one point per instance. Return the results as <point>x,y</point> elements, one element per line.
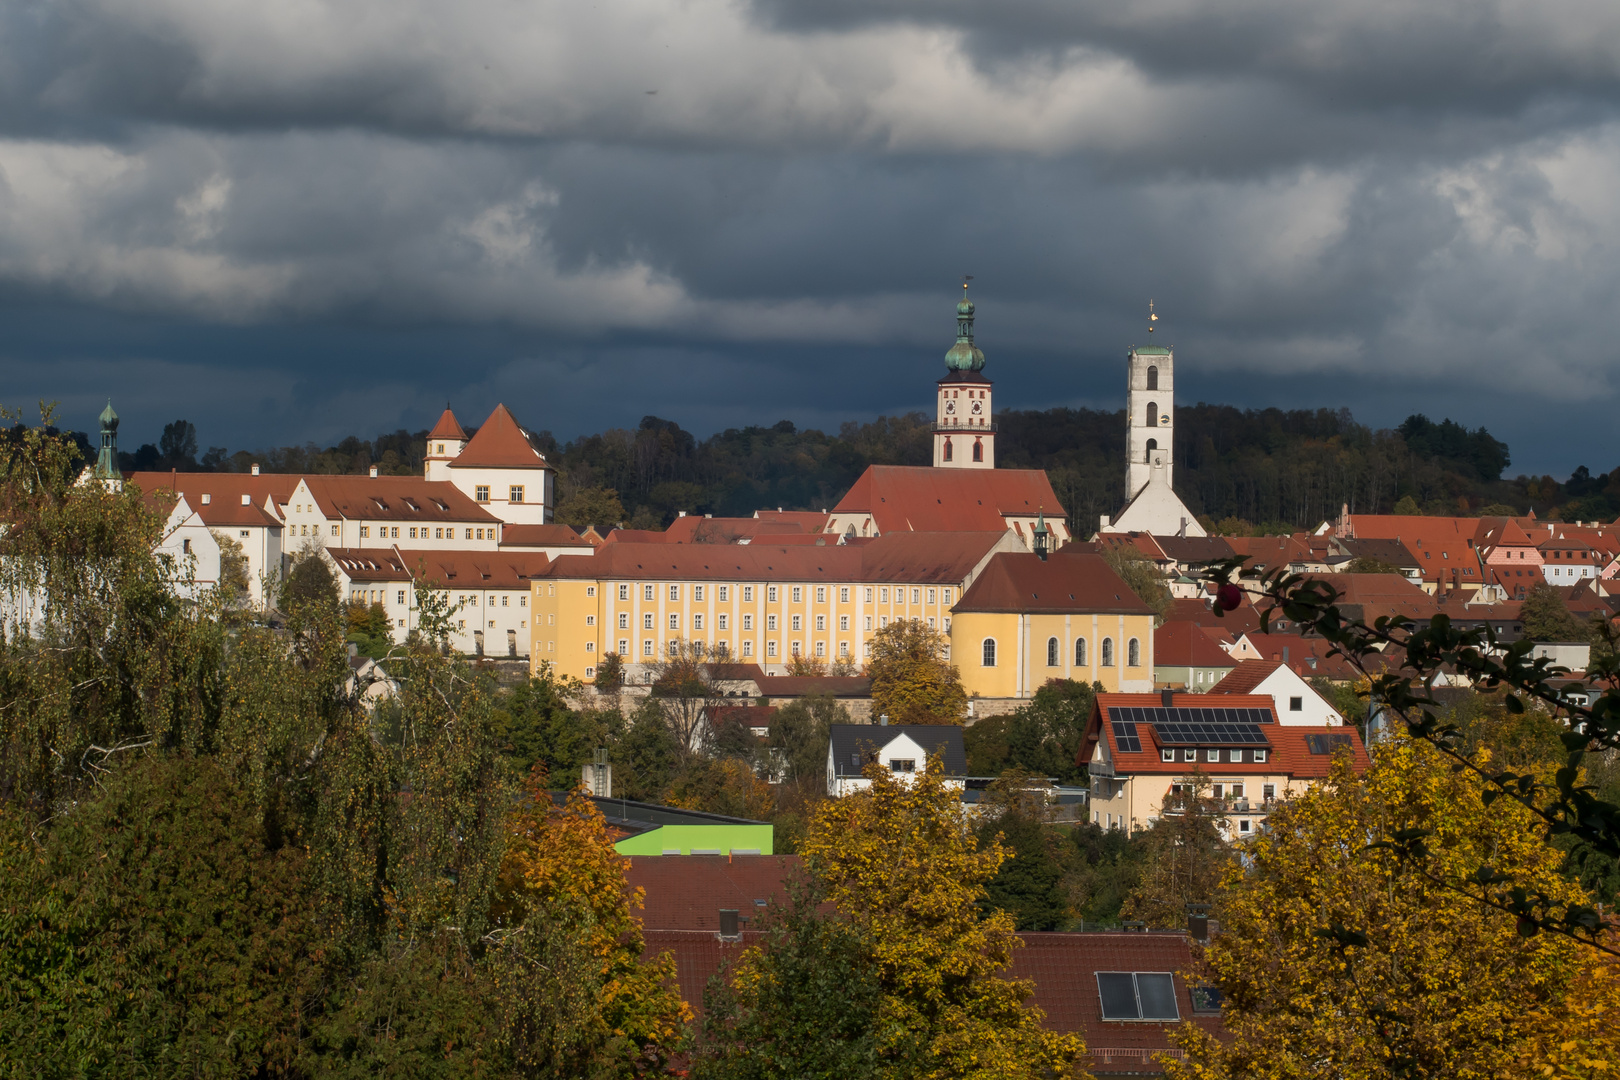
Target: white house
<point>1297,701</point>
<point>903,749</point>
<point>498,467</point>
<point>187,540</point>
<point>240,506</point>
<point>386,512</point>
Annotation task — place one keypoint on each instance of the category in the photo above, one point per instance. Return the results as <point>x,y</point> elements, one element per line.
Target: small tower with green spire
<point>964,427</point>
<point>1042,536</point>
<point>107,459</point>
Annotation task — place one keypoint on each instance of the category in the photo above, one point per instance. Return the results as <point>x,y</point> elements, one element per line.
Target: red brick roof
<point>1246,677</point>
<point>499,444</point>
<point>1443,546</point>
<point>448,427</point>
<point>1022,581</point>
<point>922,558</point>
<point>1185,644</point>
<point>920,499</point>
<point>224,493</point>
<point>699,954</point>
<point>406,499</point>
<point>448,569</point>
<point>370,564</point>
<point>1245,619</point>
<point>693,529</point>
<point>686,892</point>
<point>546,536</point>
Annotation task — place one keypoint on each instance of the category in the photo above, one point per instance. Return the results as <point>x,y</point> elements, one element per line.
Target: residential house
<point>242,507</point>
<point>1445,548</point>
<point>1295,700</point>
<point>899,498</point>
<point>1139,749</point>
<point>1026,620</point>
<point>903,749</point>
<point>1186,657</point>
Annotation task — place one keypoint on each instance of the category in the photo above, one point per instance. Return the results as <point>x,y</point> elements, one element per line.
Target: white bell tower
<point>964,425</point>
<point>1150,403</point>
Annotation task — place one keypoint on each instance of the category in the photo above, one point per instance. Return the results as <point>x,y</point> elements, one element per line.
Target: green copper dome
<point>964,355</point>
<point>109,419</point>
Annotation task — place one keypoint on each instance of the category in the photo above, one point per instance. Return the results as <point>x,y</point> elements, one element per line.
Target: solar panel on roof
<point>1125,737</point>
<point>1209,734</point>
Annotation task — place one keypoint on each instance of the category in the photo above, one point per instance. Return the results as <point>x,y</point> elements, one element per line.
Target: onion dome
<point>964,355</point>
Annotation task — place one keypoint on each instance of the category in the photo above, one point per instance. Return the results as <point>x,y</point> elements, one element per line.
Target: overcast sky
<point>299,220</point>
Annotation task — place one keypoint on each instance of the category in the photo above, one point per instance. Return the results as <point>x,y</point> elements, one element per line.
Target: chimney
<point>883,720</point>
<point>1198,922</point>
<point>374,472</point>
<point>255,468</point>
<point>680,513</point>
<point>1167,698</point>
<point>728,924</point>
<point>1105,521</point>
<point>1285,654</point>
<point>247,500</point>
<point>354,650</point>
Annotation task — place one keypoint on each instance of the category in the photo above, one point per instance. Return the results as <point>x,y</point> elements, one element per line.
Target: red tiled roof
<point>1185,644</point>
<point>808,520</point>
<point>1246,677</point>
<point>921,499</point>
<point>1443,546</point>
<point>546,536</point>
<point>476,569</point>
<point>923,558</point>
<point>1022,581</point>
<point>698,954</point>
<point>224,493</point>
<point>686,892</point>
<point>1064,968</point>
<point>636,536</point>
<point>1245,619</point>
<point>1270,552</point>
<point>499,444</point>
<point>693,529</point>
<point>798,686</point>
<point>370,564</point>
<point>408,499</point>
<point>448,427</point>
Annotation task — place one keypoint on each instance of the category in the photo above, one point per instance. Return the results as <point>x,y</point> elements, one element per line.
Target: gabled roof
<point>1022,581</point>
<point>448,427</point>
<point>406,499</point>
<point>853,745</point>
<point>518,536</point>
<point>450,570</point>
<point>695,529</point>
<point>1191,550</point>
<point>921,499</point>
<point>499,444</point>
<point>1185,644</point>
<point>370,564</point>
<point>1246,677</point>
<point>217,496</point>
<point>808,520</point>
<point>687,892</point>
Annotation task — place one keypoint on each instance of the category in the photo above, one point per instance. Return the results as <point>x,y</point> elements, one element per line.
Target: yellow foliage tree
<point>900,862</point>
<point>1579,1037</point>
<point>1338,957</point>
<point>563,859</point>
<point>912,682</point>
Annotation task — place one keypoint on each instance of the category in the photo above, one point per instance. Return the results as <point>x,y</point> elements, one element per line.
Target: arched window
<point>946,456</point>
<point>1079,652</point>
<point>1051,652</point>
<point>1153,444</point>
<point>1153,414</point>
<point>1133,653</point>
<point>1108,652</point>
<point>978,450</point>
<point>1153,377</point>
<point>989,658</point>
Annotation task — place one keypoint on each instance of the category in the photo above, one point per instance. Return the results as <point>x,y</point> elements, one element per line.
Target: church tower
<point>964,428</point>
<point>444,444</point>
<point>1150,409</point>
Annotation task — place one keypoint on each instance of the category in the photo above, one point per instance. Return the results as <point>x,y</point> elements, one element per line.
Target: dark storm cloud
<point>310,219</point>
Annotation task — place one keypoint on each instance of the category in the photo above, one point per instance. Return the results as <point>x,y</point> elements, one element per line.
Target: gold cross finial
<point>965,279</point>
<point>1152,318</point>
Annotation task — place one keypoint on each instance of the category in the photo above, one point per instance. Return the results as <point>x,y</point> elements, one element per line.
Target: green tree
<point>1030,883</point>
<point>1042,737</point>
<point>912,682</point>
<point>1144,579</point>
<point>234,584</point>
<point>646,758</point>
<point>537,724</point>
<point>310,586</point>
<point>1407,506</point>
<point>610,673</point>
<point>1546,617</point>
<point>798,736</point>
<point>1104,867</point>
<point>1183,858</point>
<point>1366,564</point>
<point>598,506</point>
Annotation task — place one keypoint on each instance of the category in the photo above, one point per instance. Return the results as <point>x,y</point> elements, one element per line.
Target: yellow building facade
<point>761,604</point>
<point>1026,620</point>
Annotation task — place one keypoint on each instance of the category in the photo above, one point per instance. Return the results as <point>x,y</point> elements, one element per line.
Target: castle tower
<point>1150,402</point>
<point>444,444</point>
<point>964,428</point>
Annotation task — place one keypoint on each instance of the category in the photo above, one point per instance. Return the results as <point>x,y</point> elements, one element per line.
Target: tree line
<point>1270,469</point>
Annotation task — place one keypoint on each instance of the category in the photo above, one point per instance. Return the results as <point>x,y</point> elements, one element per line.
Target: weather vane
<point>965,279</point>
<point>1152,318</point>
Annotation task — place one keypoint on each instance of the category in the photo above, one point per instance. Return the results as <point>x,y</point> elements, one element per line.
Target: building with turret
<point>964,425</point>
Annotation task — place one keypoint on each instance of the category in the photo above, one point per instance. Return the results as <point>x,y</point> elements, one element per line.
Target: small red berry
<point>1228,597</point>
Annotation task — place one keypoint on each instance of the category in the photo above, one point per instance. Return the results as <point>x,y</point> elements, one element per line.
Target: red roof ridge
<point>448,427</point>
<point>499,443</point>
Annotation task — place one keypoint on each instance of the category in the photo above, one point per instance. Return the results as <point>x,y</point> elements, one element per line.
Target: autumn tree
<point>1183,857</point>
<point>1340,958</point>
<point>310,583</point>
<point>1041,736</point>
<point>912,682</point>
<point>798,736</point>
<point>1546,617</point>
<point>598,506</point>
<point>726,785</point>
<point>234,583</point>
<point>900,861</point>
<point>685,686</point>
<point>1138,571</point>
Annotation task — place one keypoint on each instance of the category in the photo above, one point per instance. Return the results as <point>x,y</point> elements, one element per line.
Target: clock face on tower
<point>978,407</point>
<point>950,407</point>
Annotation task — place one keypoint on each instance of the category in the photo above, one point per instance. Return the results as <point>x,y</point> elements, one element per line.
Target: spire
<point>107,459</point>
<point>964,355</point>
<point>1042,535</point>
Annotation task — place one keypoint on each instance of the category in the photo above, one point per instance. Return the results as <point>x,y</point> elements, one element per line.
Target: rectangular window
<point>843,648</point>
<point>646,647</point>
<point>869,622</point>
<point>1212,755</point>
<point>590,590</point>
<point>916,596</point>
<point>866,651</point>
<point>647,621</point>
<point>843,596</point>
<point>697,622</point>
<point>523,601</point>
<point>770,622</point>
<point>748,622</point>
<point>883,595</point>
<point>748,648</point>
<point>413,534</point>
<point>770,648</point>
<point>748,594</point>
<point>1235,790</point>
<point>821,622</point>
<point>724,592</point>
<point>624,646</point>
<point>590,620</point>
<point>868,594</point>
<point>399,597</point>
<point>675,592</point>
<point>821,648</point>
<point>1268,792</point>
<point>945,595</point>
<point>365,531</point>
<point>770,594</point>
<point>674,622</point>
<point>1259,755</point>
<point>843,622</point>
<point>795,648</point>
<point>930,622</point>
<point>903,765</point>
<point>697,594</point>
<point>481,492</point>
<point>1296,704</point>
<point>647,592</point>
<point>590,646</point>
<point>481,533</point>
<point>1189,754</point>
<point>505,600</point>
<point>515,493</point>
<point>245,534</point>
<point>624,620</point>
<point>883,620</point>
<point>624,592</point>
<point>798,622</point>
<point>930,596</point>
<point>453,534</point>
<point>798,594</point>
<point>821,594</point>
<point>722,623</point>
<point>673,648</point>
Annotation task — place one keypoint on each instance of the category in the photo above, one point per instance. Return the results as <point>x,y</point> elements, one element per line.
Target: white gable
<point>1287,689</point>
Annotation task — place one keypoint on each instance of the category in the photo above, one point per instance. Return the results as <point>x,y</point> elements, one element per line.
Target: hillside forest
<point>1258,470</point>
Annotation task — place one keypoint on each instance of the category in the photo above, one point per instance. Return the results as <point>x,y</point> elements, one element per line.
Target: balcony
<point>967,429</point>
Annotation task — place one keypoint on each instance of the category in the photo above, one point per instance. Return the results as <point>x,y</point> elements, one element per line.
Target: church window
<point>945,454</point>
<point>1153,378</point>
<point>1080,652</point>
<point>1152,445</point>
<point>988,655</point>
<point>481,493</point>
<point>1153,414</point>
<point>978,450</point>
<point>515,493</point>
<point>1133,653</point>
<point>1108,652</point>
<point>1052,652</point>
